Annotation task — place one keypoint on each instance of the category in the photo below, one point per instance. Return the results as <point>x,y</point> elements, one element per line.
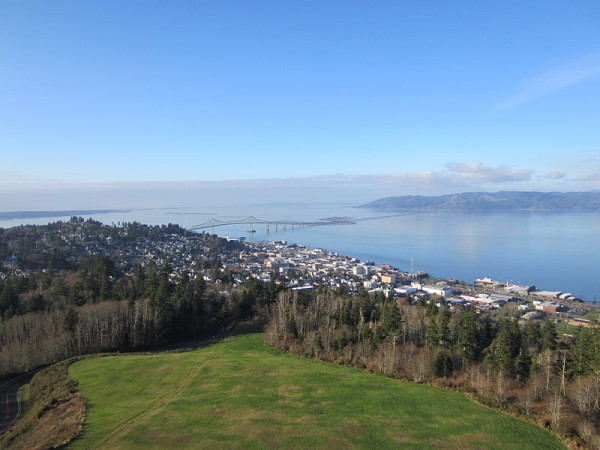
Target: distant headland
<point>493,201</point>
<point>11,215</point>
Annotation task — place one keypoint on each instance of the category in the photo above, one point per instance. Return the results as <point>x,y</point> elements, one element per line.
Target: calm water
<point>554,251</point>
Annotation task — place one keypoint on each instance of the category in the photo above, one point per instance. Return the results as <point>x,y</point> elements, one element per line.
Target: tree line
<point>522,367</point>
<point>63,301</point>
<point>156,310</point>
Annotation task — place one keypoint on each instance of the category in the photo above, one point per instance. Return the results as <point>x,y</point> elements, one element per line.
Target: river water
<point>554,251</point>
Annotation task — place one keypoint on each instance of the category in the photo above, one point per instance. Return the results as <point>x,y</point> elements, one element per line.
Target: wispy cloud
<point>10,178</point>
<point>557,175</point>
<point>476,171</point>
<point>456,173</point>
<point>594,178</point>
<point>555,79</point>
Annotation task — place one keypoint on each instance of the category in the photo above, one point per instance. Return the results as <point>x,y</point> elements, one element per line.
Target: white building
<point>360,270</point>
<point>437,290</point>
<point>370,284</point>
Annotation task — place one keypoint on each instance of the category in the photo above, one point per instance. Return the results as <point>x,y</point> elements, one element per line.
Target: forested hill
<point>489,201</point>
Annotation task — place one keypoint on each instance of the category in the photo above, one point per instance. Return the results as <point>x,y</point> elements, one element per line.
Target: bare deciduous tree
<point>526,400</point>
<point>587,431</point>
<point>420,367</point>
<point>555,408</point>
<point>585,393</point>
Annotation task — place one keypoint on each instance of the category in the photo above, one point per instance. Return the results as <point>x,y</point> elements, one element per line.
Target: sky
<point>133,103</point>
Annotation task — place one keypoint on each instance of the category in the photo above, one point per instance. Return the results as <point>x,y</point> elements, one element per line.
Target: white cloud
<point>593,178</point>
<point>557,175</point>
<point>476,171</point>
<point>457,174</point>
<point>555,79</point>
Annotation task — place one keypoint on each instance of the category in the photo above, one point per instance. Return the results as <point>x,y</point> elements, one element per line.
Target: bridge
<point>251,221</point>
<point>211,223</point>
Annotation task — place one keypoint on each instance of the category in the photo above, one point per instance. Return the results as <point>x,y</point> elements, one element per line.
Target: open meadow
<point>241,393</point>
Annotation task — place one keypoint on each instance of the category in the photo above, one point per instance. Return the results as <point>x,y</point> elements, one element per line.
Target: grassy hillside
<point>240,393</point>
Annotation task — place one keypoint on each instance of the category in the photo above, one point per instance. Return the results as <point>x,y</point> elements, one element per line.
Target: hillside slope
<point>486,201</point>
<point>240,394</point>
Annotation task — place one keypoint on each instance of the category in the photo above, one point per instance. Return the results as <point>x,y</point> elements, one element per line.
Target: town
<point>69,289</point>
<point>302,268</point>
<point>231,261</point>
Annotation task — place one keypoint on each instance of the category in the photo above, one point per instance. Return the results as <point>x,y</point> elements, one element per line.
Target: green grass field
<point>240,393</point>
<point>565,328</point>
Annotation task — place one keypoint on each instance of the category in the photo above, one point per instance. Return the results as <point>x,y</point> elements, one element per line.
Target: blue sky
<point>362,98</point>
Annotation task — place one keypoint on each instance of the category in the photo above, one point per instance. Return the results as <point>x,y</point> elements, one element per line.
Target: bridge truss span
<point>211,223</point>
<point>251,221</point>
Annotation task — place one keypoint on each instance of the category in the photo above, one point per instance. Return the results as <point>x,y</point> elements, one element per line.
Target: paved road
<point>9,402</point>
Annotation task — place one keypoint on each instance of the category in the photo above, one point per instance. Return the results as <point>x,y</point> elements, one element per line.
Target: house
<point>388,278</point>
<point>547,306</point>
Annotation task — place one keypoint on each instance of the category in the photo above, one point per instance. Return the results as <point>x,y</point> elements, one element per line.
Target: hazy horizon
<point>234,192</point>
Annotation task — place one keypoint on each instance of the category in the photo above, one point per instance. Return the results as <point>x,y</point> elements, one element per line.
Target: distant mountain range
<point>490,201</point>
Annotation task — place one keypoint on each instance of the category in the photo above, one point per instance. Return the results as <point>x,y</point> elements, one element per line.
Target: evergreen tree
<point>500,355</point>
<point>431,309</point>
<point>187,321</point>
<point>70,320</point>
<point>389,325</point>
<point>443,363</point>
<point>9,300</point>
<point>199,285</point>
<point>46,280</point>
<point>432,334</point>
<point>585,353</point>
<point>523,365</point>
<point>151,285</point>
<point>346,313</point>
<point>549,337</point>
<point>437,333</point>
<point>532,335</point>
<point>470,334</point>
<point>162,302</point>
<point>105,288</point>
<point>138,281</point>
<point>444,328</point>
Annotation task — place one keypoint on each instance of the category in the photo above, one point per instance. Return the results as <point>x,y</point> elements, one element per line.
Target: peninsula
<point>492,201</point>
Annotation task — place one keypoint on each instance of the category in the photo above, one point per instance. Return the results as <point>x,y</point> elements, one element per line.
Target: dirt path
<point>152,410</point>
